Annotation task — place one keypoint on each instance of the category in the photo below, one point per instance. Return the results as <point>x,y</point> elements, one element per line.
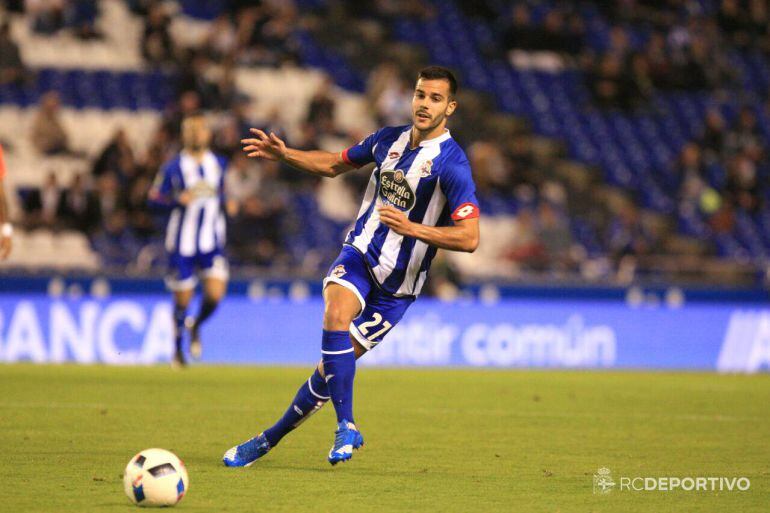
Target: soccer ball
<point>155,477</point>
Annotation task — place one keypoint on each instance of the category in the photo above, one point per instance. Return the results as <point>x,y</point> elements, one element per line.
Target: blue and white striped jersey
<point>431,183</point>
<point>199,227</point>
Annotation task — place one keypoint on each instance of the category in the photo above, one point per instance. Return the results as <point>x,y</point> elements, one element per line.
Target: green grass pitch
<point>436,440</point>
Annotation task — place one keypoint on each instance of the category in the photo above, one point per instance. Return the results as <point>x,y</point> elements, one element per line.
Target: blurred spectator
<point>46,16</point>
<point>389,94</point>
<point>478,8</point>
<point>227,95</point>
<point>158,152</point>
<point>140,7</point>
<point>555,237</point>
<point>611,85</point>
<point>108,196</point>
<point>115,242</point>
<point>51,202</point>
<point>713,139</point>
<point>48,134</point>
<point>490,166</point>
<point>221,40</point>
<point>520,33</point>
<point>81,16</point>
<point>256,231</point>
<point>734,21</point>
<point>690,173</point>
<point>188,103</point>
<point>559,32</point>
<point>116,157</point>
<point>691,162</point>
<point>656,53</point>
<point>723,219</point>
<point>197,76</point>
<point>394,105</point>
<point>525,245</point>
<point>242,180</point>
<point>79,207</point>
<point>44,206</point>
<point>140,219</point>
<point>320,111</point>
<point>263,33</point>
<point>11,66</point>
<point>742,184</point>
<point>627,235</point>
<point>227,137</point>
<point>157,45</point>
<point>744,136</point>
<point>278,33</point>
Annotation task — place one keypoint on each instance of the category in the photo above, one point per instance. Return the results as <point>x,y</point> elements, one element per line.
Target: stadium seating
<point>104,85</point>
<point>634,150</point>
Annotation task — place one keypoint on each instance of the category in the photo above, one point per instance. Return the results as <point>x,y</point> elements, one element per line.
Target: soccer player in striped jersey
<point>420,197</point>
<point>191,186</point>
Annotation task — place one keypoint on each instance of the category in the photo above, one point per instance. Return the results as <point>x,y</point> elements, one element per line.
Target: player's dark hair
<point>439,73</point>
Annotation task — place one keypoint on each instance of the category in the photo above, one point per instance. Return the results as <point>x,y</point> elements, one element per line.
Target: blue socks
<point>180,312</point>
<point>310,397</point>
<point>339,361</point>
<point>207,308</point>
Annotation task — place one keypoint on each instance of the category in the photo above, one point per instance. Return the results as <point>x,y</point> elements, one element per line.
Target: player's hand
<point>232,207</point>
<point>269,147</point>
<point>6,243</point>
<point>185,197</point>
<point>396,220</point>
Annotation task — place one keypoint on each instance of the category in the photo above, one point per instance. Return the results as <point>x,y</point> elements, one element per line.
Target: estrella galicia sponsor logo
<point>203,189</point>
<point>395,190</point>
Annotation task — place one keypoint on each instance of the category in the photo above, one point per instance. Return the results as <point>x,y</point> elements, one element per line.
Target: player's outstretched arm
<point>271,147</point>
<point>463,236</point>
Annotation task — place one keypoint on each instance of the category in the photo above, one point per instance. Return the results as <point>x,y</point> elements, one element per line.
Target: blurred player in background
<point>192,187</point>
<point>6,228</point>
<point>420,197</point>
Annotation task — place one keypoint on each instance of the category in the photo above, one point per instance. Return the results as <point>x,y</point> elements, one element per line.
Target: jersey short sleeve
<point>460,191</point>
<point>162,191</point>
<point>362,153</point>
<point>2,163</point>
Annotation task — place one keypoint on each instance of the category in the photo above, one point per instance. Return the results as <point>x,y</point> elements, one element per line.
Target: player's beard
<point>437,121</point>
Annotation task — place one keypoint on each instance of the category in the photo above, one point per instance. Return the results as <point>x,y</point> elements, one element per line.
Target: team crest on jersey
<point>395,190</point>
<point>339,271</point>
<point>425,168</point>
<point>394,155</point>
